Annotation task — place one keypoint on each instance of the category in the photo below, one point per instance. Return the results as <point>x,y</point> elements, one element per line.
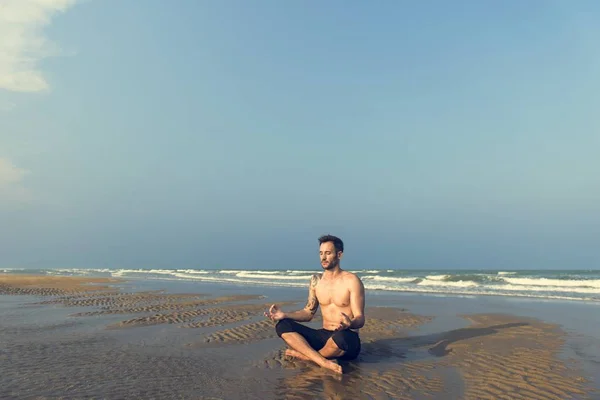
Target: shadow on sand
<point>384,349</point>
<point>311,381</point>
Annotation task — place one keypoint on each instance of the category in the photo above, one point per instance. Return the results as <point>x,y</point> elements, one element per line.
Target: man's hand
<point>344,323</point>
<point>275,313</point>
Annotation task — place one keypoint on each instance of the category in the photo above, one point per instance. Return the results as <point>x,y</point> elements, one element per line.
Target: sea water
<point>579,285</point>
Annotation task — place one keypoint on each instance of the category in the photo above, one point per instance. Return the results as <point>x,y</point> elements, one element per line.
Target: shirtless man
<point>341,295</point>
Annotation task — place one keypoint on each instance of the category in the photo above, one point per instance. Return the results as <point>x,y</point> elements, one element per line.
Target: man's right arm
<point>312,304</point>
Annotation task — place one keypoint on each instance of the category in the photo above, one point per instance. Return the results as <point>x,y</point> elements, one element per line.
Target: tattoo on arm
<point>313,304</point>
<point>315,280</point>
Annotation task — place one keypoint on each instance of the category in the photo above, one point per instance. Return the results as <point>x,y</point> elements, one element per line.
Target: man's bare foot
<point>296,354</point>
<point>329,364</point>
<point>332,365</point>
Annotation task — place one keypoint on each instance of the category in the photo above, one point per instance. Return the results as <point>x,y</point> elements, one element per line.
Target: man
<point>341,295</point>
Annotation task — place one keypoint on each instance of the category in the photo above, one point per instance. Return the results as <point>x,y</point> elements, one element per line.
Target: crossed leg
<point>303,342</point>
<point>329,351</point>
<point>304,351</point>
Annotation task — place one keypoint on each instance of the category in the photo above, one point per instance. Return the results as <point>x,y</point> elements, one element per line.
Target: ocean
<point>582,285</point>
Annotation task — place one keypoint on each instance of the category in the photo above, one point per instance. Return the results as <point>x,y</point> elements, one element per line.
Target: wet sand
<point>52,285</point>
<point>79,338</point>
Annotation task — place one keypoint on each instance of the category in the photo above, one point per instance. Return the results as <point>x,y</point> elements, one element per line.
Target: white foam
<point>84,271</point>
<point>389,278</point>
<point>523,288</point>
<point>437,277</point>
<point>193,271</point>
<point>430,282</point>
<point>204,278</point>
<point>277,277</point>
<point>478,293</point>
<point>594,283</point>
<point>237,271</point>
<point>121,272</point>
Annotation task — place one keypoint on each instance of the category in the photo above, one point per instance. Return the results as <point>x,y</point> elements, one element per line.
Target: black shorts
<point>346,340</point>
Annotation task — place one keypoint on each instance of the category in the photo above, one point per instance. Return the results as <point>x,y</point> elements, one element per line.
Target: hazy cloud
<point>10,174</point>
<point>22,43</point>
<point>12,192</point>
<point>6,105</point>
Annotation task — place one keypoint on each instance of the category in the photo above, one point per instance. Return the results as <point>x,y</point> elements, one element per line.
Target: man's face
<point>329,257</point>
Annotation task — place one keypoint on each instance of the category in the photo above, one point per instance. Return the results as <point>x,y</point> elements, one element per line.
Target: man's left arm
<point>357,304</point>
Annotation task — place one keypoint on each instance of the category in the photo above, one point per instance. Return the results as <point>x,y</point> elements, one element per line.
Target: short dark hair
<point>337,242</point>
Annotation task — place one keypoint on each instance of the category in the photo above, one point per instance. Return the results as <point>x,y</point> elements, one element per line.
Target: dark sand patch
<point>36,328</point>
<point>96,367</point>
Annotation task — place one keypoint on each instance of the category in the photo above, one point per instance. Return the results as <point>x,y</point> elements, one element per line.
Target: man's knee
<point>339,338</point>
<point>331,347</point>
<point>284,326</point>
<point>348,342</point>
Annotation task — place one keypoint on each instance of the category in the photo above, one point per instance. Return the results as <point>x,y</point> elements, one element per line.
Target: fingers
<point>269,314</point>
<point>347,321</point>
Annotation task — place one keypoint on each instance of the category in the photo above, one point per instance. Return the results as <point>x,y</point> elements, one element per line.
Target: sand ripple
<point>498,357</point>
<point>50,285</point>
<point>518,362</point>
<point>241,334</point>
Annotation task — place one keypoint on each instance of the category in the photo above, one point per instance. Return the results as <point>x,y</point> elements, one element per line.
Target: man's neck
<point>332,273</point>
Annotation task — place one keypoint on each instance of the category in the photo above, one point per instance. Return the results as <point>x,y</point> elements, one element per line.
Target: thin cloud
<point>22,43</point>
<point>7,105</point>
<point>12,192</point>
<point>10,174</point>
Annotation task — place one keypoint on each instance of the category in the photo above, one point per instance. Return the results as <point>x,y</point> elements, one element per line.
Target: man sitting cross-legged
<point>341,295</point>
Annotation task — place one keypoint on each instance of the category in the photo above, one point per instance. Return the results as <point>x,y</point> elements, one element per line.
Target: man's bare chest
<point>332,293</point>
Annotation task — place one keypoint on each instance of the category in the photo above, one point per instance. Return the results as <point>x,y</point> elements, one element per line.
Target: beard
<point>332,264</point>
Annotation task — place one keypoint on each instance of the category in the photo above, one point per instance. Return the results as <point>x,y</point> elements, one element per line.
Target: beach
<point>123,337</point>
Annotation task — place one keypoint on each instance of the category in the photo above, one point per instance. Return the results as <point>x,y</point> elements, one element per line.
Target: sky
<point>232,134</point>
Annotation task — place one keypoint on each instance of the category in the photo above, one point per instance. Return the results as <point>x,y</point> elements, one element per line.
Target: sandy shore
<point>82,337</point>
<point>51,285</point>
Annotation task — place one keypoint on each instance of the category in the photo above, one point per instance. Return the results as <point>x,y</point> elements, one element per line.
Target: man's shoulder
<point>314,280</point>
<point>352,279</point>
<point>351,276</point>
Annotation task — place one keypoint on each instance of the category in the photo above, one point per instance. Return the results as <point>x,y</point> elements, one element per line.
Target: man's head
<point>331,249</point>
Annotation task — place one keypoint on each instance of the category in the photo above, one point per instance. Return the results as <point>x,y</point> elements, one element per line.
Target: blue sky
<point>232,133</point>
